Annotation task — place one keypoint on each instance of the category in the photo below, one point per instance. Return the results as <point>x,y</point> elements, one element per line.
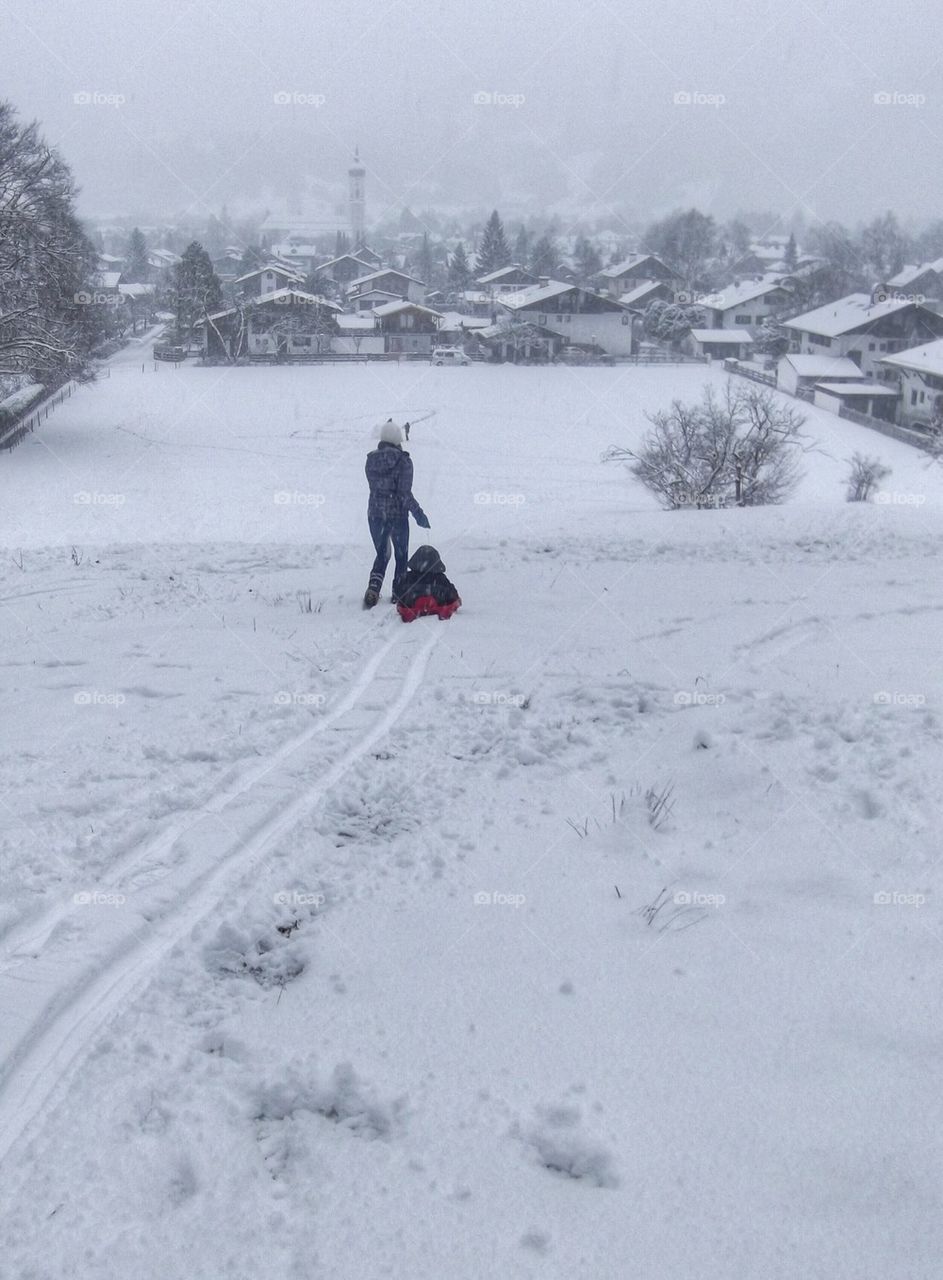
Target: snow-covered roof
<point>641,292</point>
<point>282,296</point>
<point>845,315</point>
<point>135,290</point>
<point>457,320</point>
<point>493,276</point>
<point>391,308</point>
<point>734,295</point>
<point>107,279</point>
<point>291,272</point>
<point>534,293</point>
<point>924,359</point>
<point>913,271</point>
<point>357,320</point>
<point>344,257</point>
<point>385,271</point>
<point>627,264</point>
<point>857,389</point>
<point>732,337</point>
<point>813,366</point>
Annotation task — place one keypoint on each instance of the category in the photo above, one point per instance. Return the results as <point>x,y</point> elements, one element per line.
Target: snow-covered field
<point>593,933</point>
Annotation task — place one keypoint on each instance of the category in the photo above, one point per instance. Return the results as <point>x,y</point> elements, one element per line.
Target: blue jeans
<point>385,531</point>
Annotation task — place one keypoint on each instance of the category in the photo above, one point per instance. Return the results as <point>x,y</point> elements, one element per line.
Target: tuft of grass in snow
<point>664,914</point>
<point>660,805</point>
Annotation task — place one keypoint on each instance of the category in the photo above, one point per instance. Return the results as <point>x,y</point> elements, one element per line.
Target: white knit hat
<point>390,433</point>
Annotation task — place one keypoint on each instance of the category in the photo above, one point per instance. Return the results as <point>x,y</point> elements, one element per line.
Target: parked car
<point>449,355</point>
<point>572,355</point>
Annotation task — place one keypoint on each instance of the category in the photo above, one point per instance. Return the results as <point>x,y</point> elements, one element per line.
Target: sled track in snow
<point>61,984</point>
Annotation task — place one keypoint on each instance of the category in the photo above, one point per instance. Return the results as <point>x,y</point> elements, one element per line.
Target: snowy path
<point>62,977</point>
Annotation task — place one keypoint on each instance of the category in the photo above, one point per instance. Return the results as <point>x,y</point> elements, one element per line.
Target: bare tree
<point>736,448</point>
<point>49,312</point>
<point>864,476</point>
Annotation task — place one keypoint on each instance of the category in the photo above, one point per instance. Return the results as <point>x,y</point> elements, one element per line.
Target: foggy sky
<point>177,106</point>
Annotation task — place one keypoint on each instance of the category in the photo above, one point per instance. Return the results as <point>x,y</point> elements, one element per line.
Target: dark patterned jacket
<point>389,472</point>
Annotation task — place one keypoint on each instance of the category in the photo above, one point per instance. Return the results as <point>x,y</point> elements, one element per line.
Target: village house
<point>286,324</point>
<point>874,399</point>
<point>718,344</point>
<point>796,373</point>
<point>266,279</point>
<point>636,269</point>
<point>919,282</point>
<point>408,328</point>
<point>301,255</point>
<point>373,298</point>
<point>747,303</point>
<point>506,280</point>
<point>358,334</point>
<point>389,280</point>
<point>864,329</point>
<point>580,316</point>
<point>348,267</point>
<point>641,295</point>
<point>920,374</point>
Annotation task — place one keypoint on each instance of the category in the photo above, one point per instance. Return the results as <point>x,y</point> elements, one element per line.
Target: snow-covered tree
<point>791,254</point>
<point>586,259</point>
<point>522,245</point>
<point>771,339</point>
<point>196,287</point>
<point>459,269</point>
<point>687,240</point>
<point>493,250</point>
<point>49,318</point>
<point>738,447</point>
<point>883,248</point>
<point>136,266</point>
<point>543,258</point>
<point>864,476</point>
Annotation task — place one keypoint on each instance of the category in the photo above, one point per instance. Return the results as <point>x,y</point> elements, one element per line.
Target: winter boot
<point>371,597</point>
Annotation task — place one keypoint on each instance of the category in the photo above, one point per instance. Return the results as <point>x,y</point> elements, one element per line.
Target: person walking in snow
<point>389,472</point>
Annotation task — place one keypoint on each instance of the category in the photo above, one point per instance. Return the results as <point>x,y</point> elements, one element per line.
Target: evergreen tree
<point>587,261</point>
<point>136,265</point>
<point>425,262</point>
<point>196,287</point>
<point>493,251</point>
<point>791,256</point>
<point>521,246</point>
<point>253,256</point>
<point>459,269</point>
<point>543,259</point>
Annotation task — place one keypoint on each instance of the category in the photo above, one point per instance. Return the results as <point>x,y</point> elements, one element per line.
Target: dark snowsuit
<point>389,472</point>
<point>426,589</point>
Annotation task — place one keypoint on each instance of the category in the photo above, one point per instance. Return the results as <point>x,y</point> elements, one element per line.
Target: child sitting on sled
<point>425,589</point>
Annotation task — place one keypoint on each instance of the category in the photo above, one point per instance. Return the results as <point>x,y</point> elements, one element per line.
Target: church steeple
<point>356,176</point>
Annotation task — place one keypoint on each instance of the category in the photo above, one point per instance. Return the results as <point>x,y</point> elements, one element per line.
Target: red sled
<point>426,606</point>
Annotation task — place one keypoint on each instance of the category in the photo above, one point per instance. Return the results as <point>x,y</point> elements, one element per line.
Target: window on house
<point>743,319</point>
<point>872,346</point>
<point>913,397</point>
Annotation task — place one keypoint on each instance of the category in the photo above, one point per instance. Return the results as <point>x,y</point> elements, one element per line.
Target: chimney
<point>543,281</point>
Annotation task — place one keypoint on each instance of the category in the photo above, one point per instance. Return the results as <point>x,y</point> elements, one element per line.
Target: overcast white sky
<point>593,119</point>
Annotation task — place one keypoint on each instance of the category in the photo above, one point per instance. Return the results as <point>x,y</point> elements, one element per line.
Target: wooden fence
<point>15,432</point>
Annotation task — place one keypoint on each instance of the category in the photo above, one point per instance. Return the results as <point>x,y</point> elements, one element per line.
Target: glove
<point>423,520</point>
